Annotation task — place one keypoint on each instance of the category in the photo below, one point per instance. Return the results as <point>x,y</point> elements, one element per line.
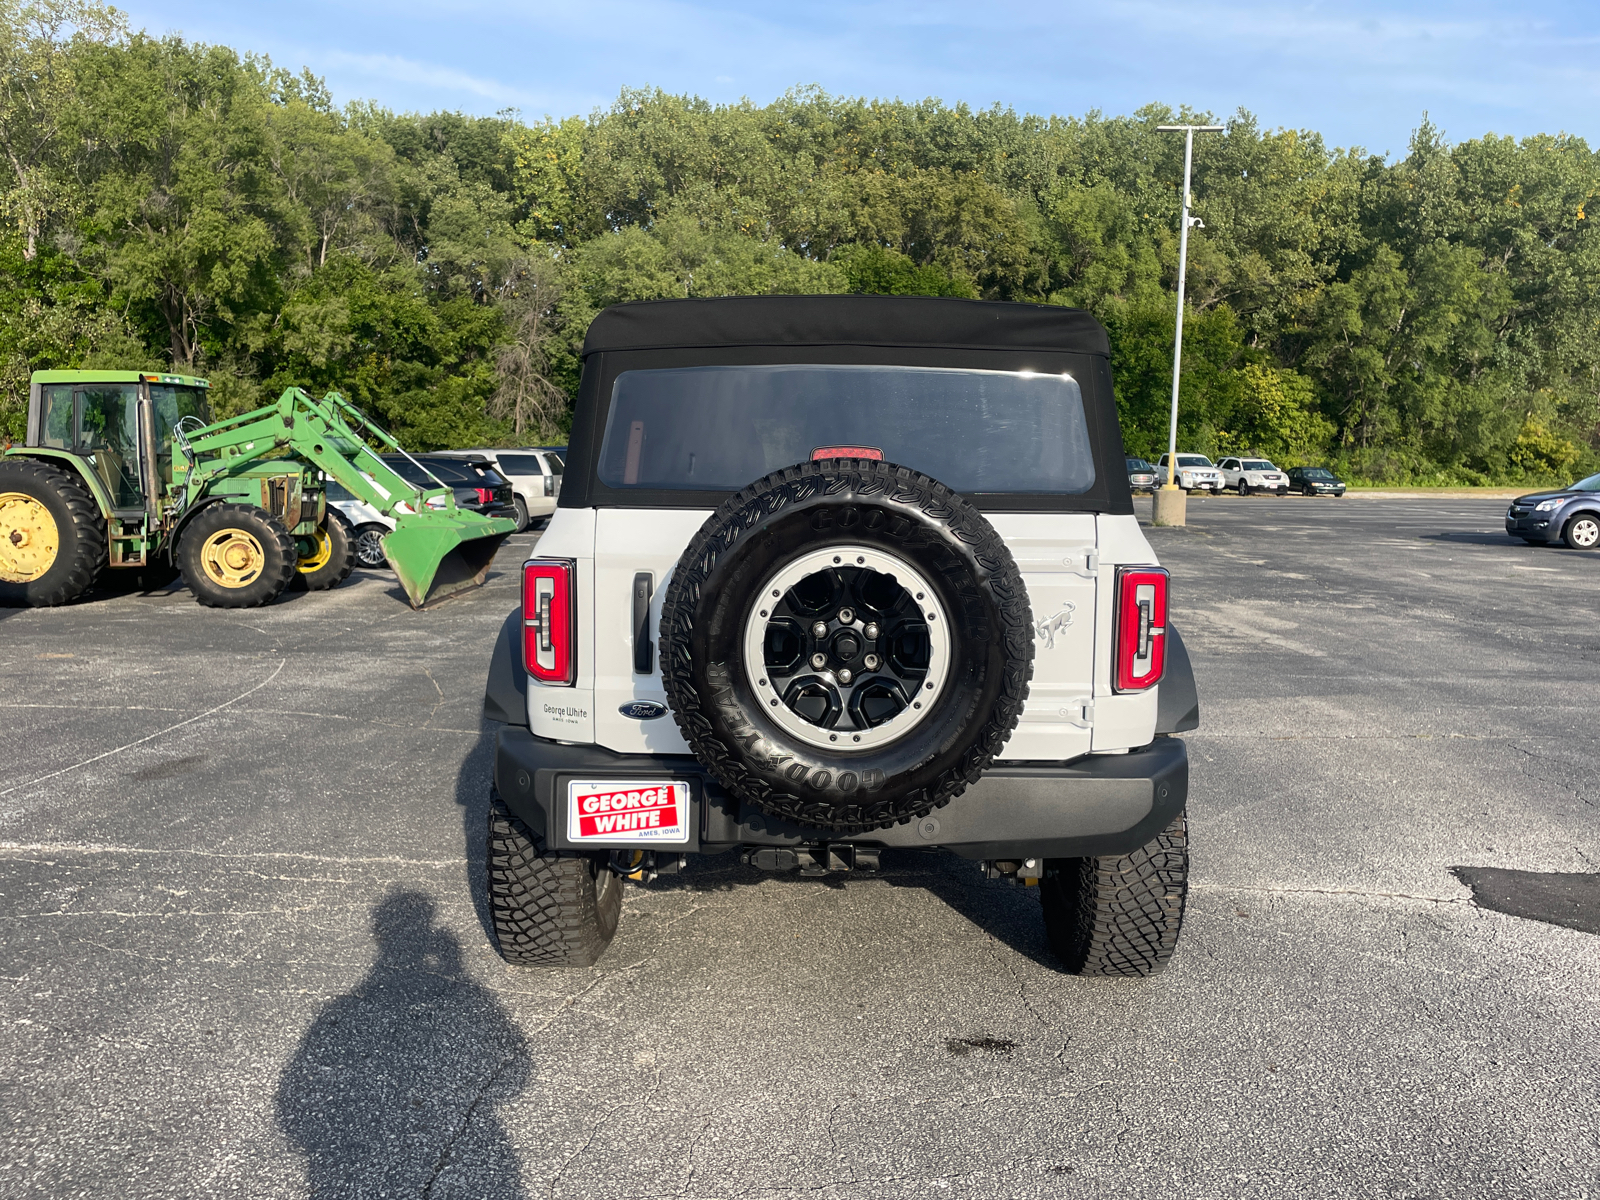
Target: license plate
<point>627,811</point>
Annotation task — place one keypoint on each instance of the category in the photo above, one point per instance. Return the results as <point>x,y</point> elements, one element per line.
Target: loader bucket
<point>438,554</point>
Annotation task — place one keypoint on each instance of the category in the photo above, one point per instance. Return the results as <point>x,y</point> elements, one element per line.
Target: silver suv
<point>838,575</point>
<point>1253,475</point>
<point>1195,473</point>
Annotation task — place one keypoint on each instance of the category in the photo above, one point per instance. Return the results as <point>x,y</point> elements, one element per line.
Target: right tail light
<point>1141,628</point>
<point>547,618</point>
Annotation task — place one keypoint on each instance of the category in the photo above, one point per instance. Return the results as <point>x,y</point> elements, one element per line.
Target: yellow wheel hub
<point>232,558</point>
<point>29,539</point>
<point>318,558</point>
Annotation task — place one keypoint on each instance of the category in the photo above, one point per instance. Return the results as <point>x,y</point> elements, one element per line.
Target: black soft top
<point>845,321</point>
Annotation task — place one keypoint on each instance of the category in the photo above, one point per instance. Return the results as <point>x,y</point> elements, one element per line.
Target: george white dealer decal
<point>1050,626</point>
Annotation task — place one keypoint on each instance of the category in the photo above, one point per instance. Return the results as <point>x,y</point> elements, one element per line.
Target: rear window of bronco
<point>721,427</point>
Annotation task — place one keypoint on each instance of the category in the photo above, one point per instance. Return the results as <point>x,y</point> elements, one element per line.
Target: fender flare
<point>73,462</point>
<point>505,695</point>
<point>1177,701</point>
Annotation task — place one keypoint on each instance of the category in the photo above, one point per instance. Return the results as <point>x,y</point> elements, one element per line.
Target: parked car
<point>796,637</point>
<point>368,525</point>
<point>476,485</point>
<point>1253,475</point>
<point>1141,475</point>
<point>1196,473</point>
<point>1315,481</point>
<point>1570,515</point>
<point>535,475</point>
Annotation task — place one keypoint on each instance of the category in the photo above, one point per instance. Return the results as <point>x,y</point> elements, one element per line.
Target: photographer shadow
<point>393,1089</point>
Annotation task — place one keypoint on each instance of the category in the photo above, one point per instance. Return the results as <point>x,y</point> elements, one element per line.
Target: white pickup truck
<point>838,575</point>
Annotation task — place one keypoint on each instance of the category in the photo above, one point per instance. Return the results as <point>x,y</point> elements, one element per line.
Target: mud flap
<point>437,555</point>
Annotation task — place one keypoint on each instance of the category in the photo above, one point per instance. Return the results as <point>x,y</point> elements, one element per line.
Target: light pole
<point>1170,501</point>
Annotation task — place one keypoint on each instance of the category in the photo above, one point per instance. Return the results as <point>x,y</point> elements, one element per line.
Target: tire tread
<point>89,550</point>
<point>1120,914</point>
<point>550,908</point>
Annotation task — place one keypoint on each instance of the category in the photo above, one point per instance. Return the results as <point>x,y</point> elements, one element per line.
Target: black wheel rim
<point>847,647</point>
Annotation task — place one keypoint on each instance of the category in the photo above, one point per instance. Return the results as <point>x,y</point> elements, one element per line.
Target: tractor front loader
<point>125,470</point>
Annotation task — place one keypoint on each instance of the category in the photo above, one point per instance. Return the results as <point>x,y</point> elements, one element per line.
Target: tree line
<point>173,205</point>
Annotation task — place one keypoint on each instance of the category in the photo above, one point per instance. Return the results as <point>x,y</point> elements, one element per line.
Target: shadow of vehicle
<point>1482,538</point>
<point>393,1089</point>
<point>1007,913</point>
<point>472,795</point>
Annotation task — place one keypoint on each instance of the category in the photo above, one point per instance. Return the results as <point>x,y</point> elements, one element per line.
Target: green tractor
<point>125,470</point>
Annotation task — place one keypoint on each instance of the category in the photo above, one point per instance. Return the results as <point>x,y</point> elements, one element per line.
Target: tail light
<point>1141,628</point>
<point>485,495</point>
<point>549,485</point>
<point>547,612</point>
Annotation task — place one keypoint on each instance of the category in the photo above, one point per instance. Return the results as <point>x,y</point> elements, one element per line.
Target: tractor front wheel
<point>332,556</point>
<point>52,536</point>
<point>235,556</point>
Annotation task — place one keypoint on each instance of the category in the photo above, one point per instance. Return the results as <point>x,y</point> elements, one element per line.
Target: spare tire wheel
<point>846,644</point>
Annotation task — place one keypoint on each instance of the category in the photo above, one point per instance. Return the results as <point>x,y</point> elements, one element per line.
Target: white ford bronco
<point>832,576</point>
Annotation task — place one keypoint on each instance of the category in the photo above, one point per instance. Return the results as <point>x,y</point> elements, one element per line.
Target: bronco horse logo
<point>1050,626</point>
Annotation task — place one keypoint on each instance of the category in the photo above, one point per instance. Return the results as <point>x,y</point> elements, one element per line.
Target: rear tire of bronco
<point>551,908</point>
<point>55,537</point>
<point>846,644</point>
<point>1119,914</point>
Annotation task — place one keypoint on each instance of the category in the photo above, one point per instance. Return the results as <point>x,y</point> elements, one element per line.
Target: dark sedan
<point>477,486</point>
<point>1570,515</point>
<point>1315,481</point>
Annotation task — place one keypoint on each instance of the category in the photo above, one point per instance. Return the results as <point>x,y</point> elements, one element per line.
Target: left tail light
<point>1141,628</point>
<point>549,485</point>
<point>485,495</point>
<point>547,619</point>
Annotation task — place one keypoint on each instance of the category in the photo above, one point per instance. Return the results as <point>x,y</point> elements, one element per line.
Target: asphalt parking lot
<point>242,949</point>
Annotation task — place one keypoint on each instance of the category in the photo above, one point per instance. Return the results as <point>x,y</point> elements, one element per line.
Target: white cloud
<point>405,70</point>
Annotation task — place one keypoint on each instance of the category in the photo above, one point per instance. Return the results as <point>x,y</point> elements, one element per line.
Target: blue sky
<point>1360,73</point>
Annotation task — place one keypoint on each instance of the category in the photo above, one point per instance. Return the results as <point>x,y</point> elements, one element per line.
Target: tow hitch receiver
<point>814,860</point>
<point>1026,871</point>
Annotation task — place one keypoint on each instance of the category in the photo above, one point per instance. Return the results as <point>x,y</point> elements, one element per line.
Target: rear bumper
<point>1104,804</point>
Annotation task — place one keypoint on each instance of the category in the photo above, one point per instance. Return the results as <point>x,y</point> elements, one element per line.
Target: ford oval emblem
<point>643,710</point>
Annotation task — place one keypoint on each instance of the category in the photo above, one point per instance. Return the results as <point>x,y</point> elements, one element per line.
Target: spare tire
<point>846,644</point>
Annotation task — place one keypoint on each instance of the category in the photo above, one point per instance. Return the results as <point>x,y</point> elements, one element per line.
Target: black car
<point>1315,481</point>
<point>478,487</point>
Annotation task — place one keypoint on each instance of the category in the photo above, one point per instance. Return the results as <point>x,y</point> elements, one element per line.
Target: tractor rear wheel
<point>332,558</point>
<point>52,536</point>
<point>235,556</point>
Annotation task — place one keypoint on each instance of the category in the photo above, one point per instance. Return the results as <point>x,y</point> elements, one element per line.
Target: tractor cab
<point>119,423</point>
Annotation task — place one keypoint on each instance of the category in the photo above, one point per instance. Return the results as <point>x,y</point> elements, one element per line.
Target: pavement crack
<point>443,1160</point>
<point>1226,888</point>
<point>64,849</point>
<point>276,671</point>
